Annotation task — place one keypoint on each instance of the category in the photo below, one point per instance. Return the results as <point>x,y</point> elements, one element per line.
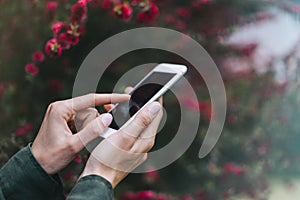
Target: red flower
<point>149,14</point>
<point>147,194</point>
<point>22,130</point>
<point>55,85</point>
<point>71,36</point>
<point>51,5</point>
<point>123,11</point>
<point>67,38</point>
<point>78,159</point>
<point>79,11</point>
<point>1,88</point>
<point>31,69</point>
<point>38,56</point>
<point>232,168</point>
<point>57,27</point>
<point>53,48</point>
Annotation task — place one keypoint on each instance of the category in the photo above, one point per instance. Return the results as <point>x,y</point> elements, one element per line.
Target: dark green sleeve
<point>92,187</point>
<point>22,177</point>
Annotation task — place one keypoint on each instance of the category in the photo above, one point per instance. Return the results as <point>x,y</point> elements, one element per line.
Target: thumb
<point>142,120</point>
<point>93,130</point>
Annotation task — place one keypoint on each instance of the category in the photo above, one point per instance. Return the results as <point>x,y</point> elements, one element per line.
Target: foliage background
<point>260,139</point>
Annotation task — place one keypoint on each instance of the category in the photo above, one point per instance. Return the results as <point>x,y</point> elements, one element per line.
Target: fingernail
<point>106,119</point>
<point>154,108</point>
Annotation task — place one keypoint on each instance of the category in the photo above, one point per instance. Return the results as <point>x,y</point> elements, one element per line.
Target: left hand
<point>55,146</point>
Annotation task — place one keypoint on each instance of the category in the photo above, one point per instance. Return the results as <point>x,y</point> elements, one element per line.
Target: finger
<point>142,120</point>
<point>160,100</point>
<point>85,116</point>
<point>147,138</point>
<point>92,130</point>
<point>90,100</point>
<point>116,158</point>
<point>128,90</point>
<point>108,107</point>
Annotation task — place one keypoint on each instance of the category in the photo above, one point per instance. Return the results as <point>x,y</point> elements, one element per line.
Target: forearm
<point>22,177</point>
<point>92,187</point>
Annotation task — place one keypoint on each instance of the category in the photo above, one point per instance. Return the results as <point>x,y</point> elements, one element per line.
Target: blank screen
<point>139,97</point>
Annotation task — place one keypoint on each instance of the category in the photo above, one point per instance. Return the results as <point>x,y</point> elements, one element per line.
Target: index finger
<point>89,100</point>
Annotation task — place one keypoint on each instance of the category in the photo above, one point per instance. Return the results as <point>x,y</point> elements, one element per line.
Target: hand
<point>123,151</point>
<point>55,145</point>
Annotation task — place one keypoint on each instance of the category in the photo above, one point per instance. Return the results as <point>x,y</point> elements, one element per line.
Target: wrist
<point>110,176</point>
<point>38,155</point>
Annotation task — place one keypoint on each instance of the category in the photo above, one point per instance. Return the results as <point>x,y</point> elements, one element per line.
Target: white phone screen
<point>141,94</point>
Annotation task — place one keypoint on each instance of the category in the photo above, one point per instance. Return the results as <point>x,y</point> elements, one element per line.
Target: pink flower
<point>38,56</point>
<point>68,39</point>
<point>31,69</point>
<point>148,15</point>
<point>79,11</point>
<point>22,130</point>
<point>123,11</point>
<point>57,27</point>
<point>53,48</point>
<point>232,168</point>
<point>51,5</point>
<point>78,159</point>
<point>147,194</point>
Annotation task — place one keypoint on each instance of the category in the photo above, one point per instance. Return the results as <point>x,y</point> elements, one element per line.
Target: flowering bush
<point>44,42</point>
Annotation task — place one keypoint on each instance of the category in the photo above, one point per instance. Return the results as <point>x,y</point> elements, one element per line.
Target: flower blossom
<point>31,69</point>
<point>38,56</point>
<point>148,14</point>
<point>232,168</point>
<point>123,11</point>
<point>53,48</point>
<point>22,130</point>
<point>79,11</point>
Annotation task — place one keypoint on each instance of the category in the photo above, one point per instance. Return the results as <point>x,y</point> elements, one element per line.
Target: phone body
<point>149,89</point>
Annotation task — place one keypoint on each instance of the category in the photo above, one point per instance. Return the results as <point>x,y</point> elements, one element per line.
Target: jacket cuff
<point>92,187</point>
<point>22,177</point>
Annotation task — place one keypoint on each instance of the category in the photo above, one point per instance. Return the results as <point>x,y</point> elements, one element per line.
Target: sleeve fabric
<point>22,177</point>
<point>92,187</point>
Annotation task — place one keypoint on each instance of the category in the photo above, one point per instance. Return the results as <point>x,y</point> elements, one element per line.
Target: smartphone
<point>149,89</point>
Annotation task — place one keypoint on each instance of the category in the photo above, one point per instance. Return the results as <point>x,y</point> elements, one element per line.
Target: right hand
<point>123,151</point>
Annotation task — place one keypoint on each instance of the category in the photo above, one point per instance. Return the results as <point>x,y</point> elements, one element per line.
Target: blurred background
<point>255,44</point>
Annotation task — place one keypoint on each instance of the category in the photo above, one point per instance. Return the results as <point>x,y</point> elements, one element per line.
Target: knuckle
<point>145,157</point>
<point>55,107</point>
<point>149,145</point>
<point>91,96</point>
<point>71,146</point>
<point>144,120</point>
